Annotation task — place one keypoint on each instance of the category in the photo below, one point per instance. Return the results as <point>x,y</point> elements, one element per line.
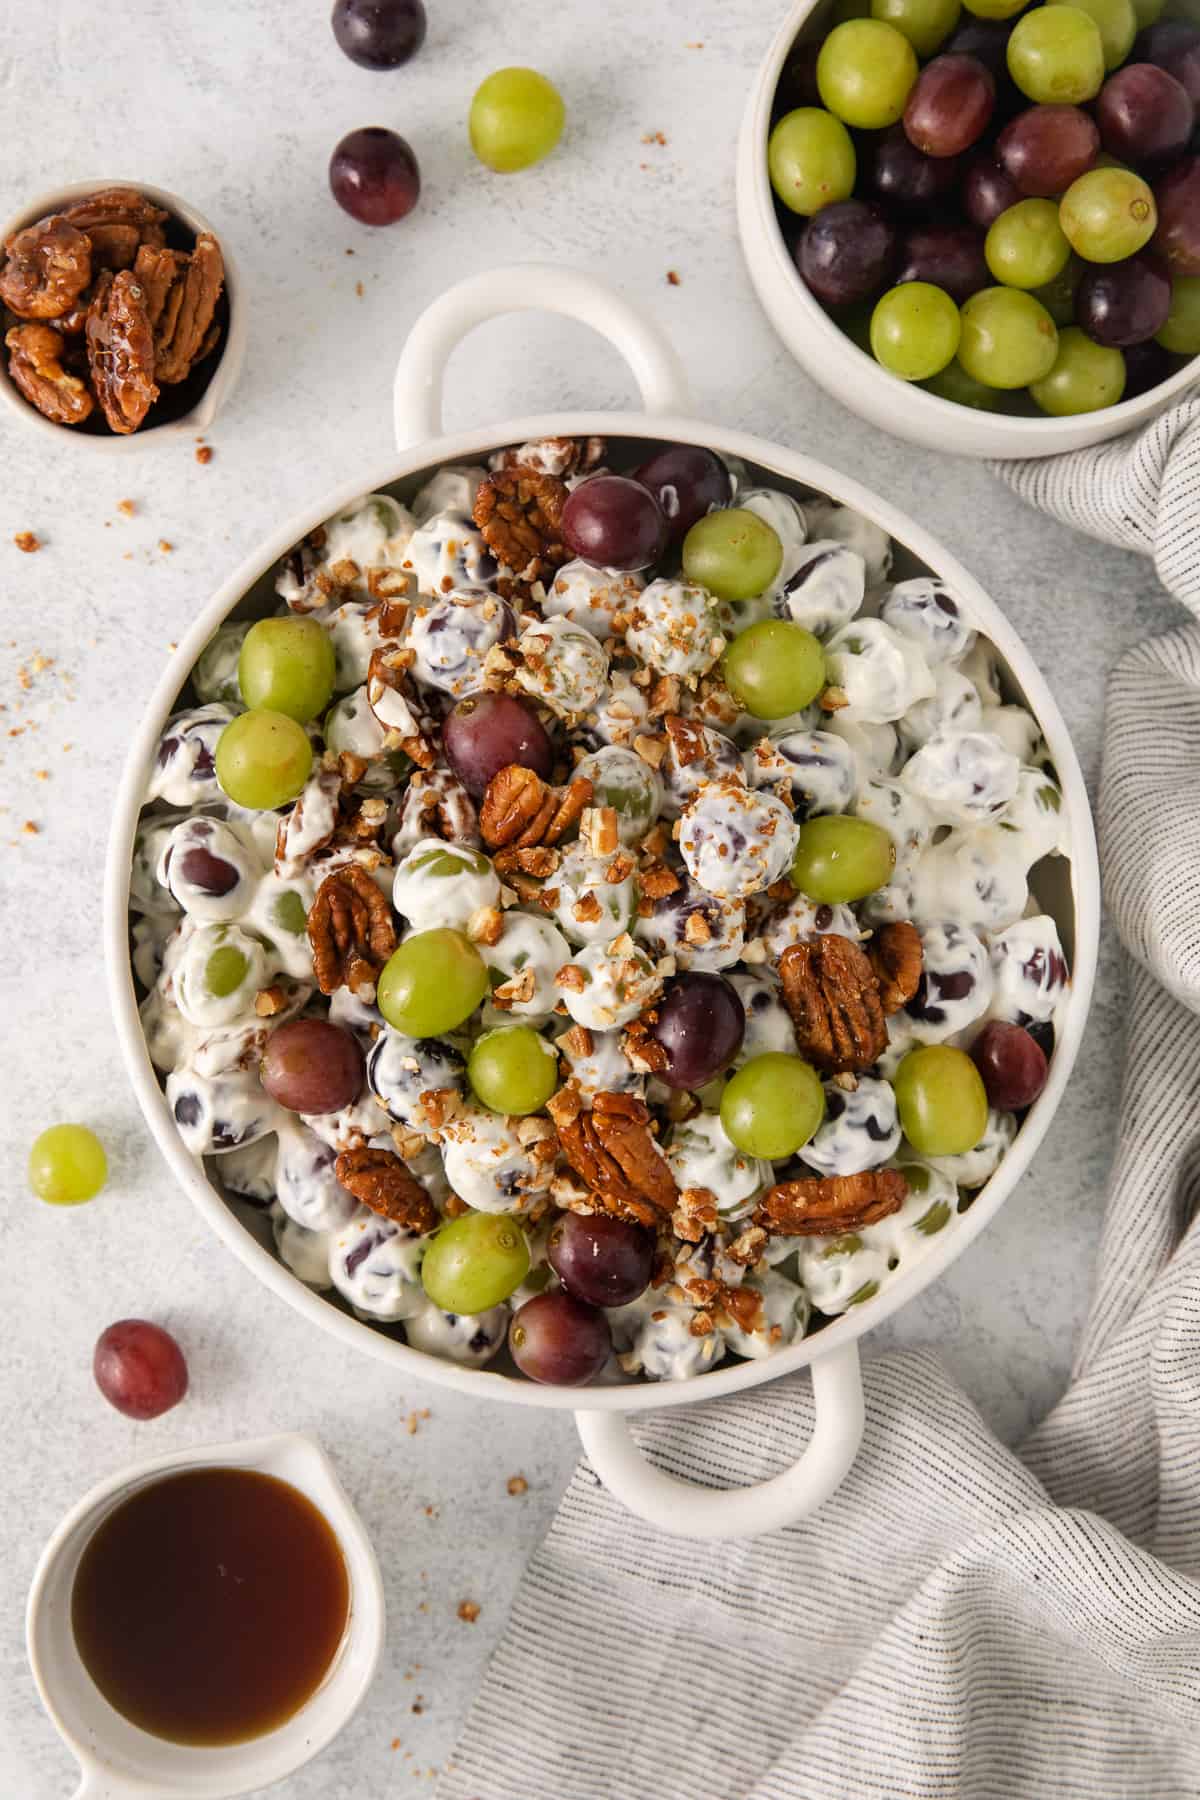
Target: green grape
<point>1086,376</point>
<point>1147,11</point>
<point>1056,56</point>
<point>1108,214</point>
<point>941,1099</point>
<point>774,668</point>
<point>67,1165</point>
<point>840,858</point>
<point>936,1219</point>
<point>915,330</point>
<point>995,9</point>
<point>448,865</point>
<point>811,161</point>
<point>1117,24</point>
<point>263,759</point>
<point>287,666</point>
<point>1008,338</point>
<point>432,982</point>
<point>290,913</point>
<point>1058,296</point>
<point>773,1105</point>
<point>865,71</point>
<point>953,383</point>
<point>513,1070</point>
<point>925,23</point>
<point>1026,246</point>
<point>1181,332</point>
<point>225,971</point>
<point>733,553</point>
<point>474,1262</point>
<point>516,118</point>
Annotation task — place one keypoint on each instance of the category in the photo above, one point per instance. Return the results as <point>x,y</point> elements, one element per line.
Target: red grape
<point>379,34</point>
<point>845,252</point>
<point>614,522</point>
<point>687,481</point>
<point>1012,1065</point>
<point>373,176</point>
<point>139,1368</point>
<point>1174,45</point>
<point>949,256</point>
<point>1044,149</point>
<point>207,872</point>
<point>601,1260</point>
<point>987,191</point>
<point>701,1023</point>
<point>1145,366</point>
<point>1144,114</point>
<point>949,106</point>
<point>1123,303</point>
<point>487,732</point>
<point>1177,196</point>
<point>312,1066</point>
<point>903,175</point>
<point>984,39</point>
<point>556,1338</point>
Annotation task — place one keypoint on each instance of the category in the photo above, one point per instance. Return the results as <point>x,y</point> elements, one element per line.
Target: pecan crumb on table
<point>204,454</point>
<point>468,1611</point>
<point>517,1484</point>
<point>28,541</point>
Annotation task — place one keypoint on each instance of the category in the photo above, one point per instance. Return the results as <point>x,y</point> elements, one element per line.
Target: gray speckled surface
<point>238,109</point>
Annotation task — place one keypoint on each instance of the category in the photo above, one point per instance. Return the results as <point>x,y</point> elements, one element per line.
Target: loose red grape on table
<point>373,176</point>
<point>139,1368</point>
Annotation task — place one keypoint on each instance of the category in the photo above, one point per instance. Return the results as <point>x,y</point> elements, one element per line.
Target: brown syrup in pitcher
<point>209,1605</point>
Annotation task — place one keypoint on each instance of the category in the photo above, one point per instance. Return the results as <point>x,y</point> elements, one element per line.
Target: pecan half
<point>896,955</point>
<point>823,1206</point>
<point>35,364</point>
<point>158,270</point>
<point>351,931</point>
<point>831,991</point>
<point>560,456</point>
<point>380,1180</point>
<point>392,700</point>
<point>520,809</point>
<point>108,217</point>
<point>611,1148</point>
<point>435,804</point>
<point>519,512</point>
<point>182,331</point>
<point>49,265</point>
<point>120,349</point>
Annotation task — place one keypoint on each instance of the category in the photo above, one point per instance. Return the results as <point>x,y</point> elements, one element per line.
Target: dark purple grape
<point>1013,1067</point>
<point>798,81</point>
<point>987,191</point>
<point>559,1339</point>
<point>1125,302</point>
<point>1144,114</point>
<point>903,176</point>
<point>984,39</point>
<point>599,1259</point>
<point>949,106</point>
<point>614,522</point>
<point>1145,366</point>
<point>1177,196</point>
<point>373,175</point>
<point>379,34</point>
<point>949,256</point>
<point>487,732</point>
<point>1174,45</point>
<point>312,1066</point>
<point>846,251</point>
<point>208,873</point>
<point>1044,149</point>
<point>687,481</point>
<point>701,1023</point>
<point>139,1368</point>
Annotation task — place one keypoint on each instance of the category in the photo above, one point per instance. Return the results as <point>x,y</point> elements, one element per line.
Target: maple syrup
<point>208,1606</point>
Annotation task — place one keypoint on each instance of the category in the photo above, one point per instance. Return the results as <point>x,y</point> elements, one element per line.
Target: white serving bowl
<point>227,358</point>
<point>835,361</point>
<point>1068,889</point>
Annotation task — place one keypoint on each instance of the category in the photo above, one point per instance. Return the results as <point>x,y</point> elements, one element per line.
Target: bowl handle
<point>526,287</point>
<point>685,1510</point>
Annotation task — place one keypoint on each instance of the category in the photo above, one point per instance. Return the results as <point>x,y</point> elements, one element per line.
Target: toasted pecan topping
<point>120,350</point>
<point>729,1305</point>
<point>612,1150</point>
<point>696,1214</point>
<point>378,1179</point>
<point>896,955</point>
<point>181,332</point>
<point>519,511</point>
<point>351,931</point>
<point>823,1206</point>
<point>520,809</point>
<point>35,364</point>
<point>832,993</point>
<point>391,698</point>
<point>49,265</point>
<point>687,739</point>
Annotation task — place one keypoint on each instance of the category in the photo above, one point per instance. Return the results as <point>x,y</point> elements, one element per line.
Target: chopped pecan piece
<point>696,1214</point>
<point>120,349</point>
<point>558,456</point>
<point>832,993</point>
<point>896,955</point>
<point>392,701</point>
<point>520,809</point>
<point>49,265</point>
<point>519,512</point>
<point>612,1150</point>
<point>182,332</point>
<point>824,1206</point>
<point>380,1180</point>
<point>351,931</point>
<point>35,364</point>
<point>687,738</point>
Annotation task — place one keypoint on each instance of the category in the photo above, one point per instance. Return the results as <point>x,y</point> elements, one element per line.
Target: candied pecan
<point>687,738</point>
<point>114,246</point>
<point>351,931</point>
<point>378,1179</point>
<point>49,265</point>
<point>824,1206</point>
<point>520,809</point>
<point>658,881</point>
<point>182,330</point>
<point>120,348</point>
<point>118,206</point>
<point>158,269</point>
<point>896,956</point>
<point>695,1215</point>
<point>392,701</point>
<point>519,512</point>
<point>558,456</point>
<point>611,1148</point>
<point>35,364</point>
<point>832,993</point>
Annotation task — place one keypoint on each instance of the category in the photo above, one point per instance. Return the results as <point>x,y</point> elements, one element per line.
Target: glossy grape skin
<point>1058,296</point>
<point>687,481</point>
<point>772,1106</point>
<point>1008,338</point>
<point>512,1070</point>
<point>846,252</point>
<point>995,9</point>
<point>1026,247</point>
<point>950,105</point>
<point>840,859</point>
<point>613,522</point>
<point>1108,214</point>
<point>1045,148</point>
<point>1117,24</point>
<point>733,553</point>
<point>374,176</point>
<point>1180,331</point>
<point>774,668</point>
<point>68,1165</point>
<point>379,34</point>
<point>474,1262</point>
<point>1147,11</point>
<point>1056,54</point>
<point>287,666</point>
<point>1085,377</point>
<point>1146,365</point>
<point>487,732</point>
<point>312,1066</point>
<point>987,191</point>
<point>949,256</point>
<point>701,1023</point>
<point>1013,1066</point>
<point>432,982</point>
<point>1144,115</point>
<point>225,971</point>
<point>941,1099</point>
<point>811,161</point>
<point>601,1260</point>
<point>558,1339</point>
<point>984,39</point>
<point>925,23</point>
<point>905,177</point>
<point>1123,303</point>
<point>516,119</point>
<point>1174,45</point>
<point>263,759</point>
<point>915,330</point>
<point>139,1368</point>
<point>864,73</point>
<point>953,383</point>
<point>1178,199</point>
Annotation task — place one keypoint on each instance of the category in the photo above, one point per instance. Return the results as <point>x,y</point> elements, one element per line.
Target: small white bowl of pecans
<point>120,315</point>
